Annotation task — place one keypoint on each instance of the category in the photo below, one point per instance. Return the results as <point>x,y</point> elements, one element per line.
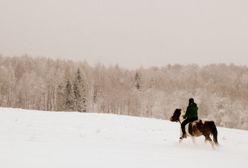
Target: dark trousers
<point>188,120</point>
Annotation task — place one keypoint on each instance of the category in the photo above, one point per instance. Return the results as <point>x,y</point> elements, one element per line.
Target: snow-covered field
<point>34,139</point>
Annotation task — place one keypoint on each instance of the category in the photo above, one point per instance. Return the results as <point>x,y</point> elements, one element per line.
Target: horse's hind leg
<point>208,139</point>
<point>193,140</point>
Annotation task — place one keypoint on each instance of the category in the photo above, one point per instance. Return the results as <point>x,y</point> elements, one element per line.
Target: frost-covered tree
<point>137,79</point>
<point>45,84</point>
<point>69,96</point>
<point>80,92</point>
<point>60,98</point>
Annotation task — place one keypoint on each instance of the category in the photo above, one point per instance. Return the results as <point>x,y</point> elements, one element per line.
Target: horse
<point>197,128</point>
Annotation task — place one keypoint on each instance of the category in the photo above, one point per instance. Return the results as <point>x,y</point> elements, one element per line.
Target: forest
<point>220,90</point>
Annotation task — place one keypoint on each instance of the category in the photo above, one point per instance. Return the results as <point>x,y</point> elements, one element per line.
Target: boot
<point>183,131</point>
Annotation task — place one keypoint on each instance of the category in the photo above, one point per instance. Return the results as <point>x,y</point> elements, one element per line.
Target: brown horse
<point>198,127</point>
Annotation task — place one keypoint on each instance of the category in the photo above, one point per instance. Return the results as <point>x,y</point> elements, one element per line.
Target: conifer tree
<point>80,92</point>
<point>60,98</point>
<point>69,101</point>
<point>137,79</point>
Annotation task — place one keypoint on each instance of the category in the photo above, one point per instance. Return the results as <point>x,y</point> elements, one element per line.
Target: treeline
<point>221,91</point>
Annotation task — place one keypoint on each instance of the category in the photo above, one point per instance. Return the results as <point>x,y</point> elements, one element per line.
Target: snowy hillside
<point>34,139</point>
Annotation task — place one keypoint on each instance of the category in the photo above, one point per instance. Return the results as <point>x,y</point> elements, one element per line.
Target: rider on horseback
<point>190,116</point>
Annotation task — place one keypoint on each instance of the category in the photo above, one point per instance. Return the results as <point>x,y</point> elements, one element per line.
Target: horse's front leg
<point>193,140</point>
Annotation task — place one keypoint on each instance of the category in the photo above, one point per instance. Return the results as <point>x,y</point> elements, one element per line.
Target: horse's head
<point>176,115</point>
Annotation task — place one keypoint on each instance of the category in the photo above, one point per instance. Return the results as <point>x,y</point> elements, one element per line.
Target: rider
<point>190,116</point>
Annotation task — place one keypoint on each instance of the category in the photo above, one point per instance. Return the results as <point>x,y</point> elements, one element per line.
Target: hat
<point>191,100</point>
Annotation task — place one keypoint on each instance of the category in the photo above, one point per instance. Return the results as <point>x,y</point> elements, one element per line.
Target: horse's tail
<point>214,131</point>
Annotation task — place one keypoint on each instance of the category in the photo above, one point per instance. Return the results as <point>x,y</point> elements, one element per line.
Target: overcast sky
<point>130,33</point>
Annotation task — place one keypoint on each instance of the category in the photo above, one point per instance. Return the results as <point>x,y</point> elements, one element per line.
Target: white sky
<point>130,33</point>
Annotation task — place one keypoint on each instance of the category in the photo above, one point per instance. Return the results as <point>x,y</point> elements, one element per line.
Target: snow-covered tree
<point>80,92</point>
<point>69,96</point>
<point>45,84</point>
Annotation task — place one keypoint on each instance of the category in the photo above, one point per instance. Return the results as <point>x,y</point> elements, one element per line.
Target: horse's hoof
<point>183,136</point>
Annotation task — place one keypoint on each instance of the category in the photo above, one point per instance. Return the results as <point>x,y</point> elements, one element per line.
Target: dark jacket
<point>191,111</point>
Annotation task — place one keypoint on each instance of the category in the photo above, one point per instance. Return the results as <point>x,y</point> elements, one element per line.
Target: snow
<point>39,139</point>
